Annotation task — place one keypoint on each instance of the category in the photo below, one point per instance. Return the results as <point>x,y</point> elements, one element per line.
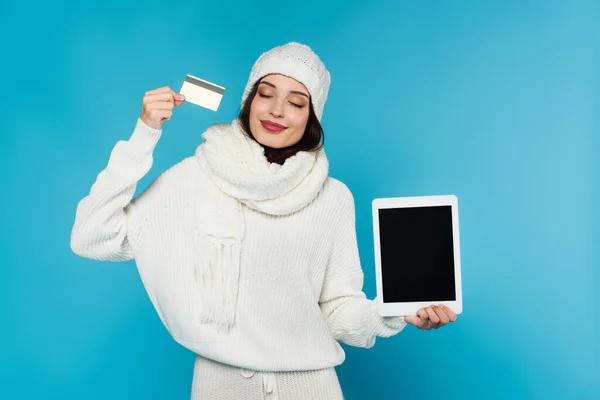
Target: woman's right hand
<point>158,105</point>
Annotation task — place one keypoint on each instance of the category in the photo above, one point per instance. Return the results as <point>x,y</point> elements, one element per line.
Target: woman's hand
<point>158,105</point>
<point>433,317</point>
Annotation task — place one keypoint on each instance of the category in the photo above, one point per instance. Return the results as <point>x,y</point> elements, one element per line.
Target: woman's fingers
<point>424,316</point>
<point>179,100</point>
<point>151,98</point>
<point>413,320</point>
<point>166,97</point>
<point>158,105</point>
<point>443,318</point>
<point>163,89</point>
<point>422,320</point>
<point>451,314</point>
<point>433,317</point>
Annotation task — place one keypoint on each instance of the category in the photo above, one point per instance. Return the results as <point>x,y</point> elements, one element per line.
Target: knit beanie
<point>296,61</point>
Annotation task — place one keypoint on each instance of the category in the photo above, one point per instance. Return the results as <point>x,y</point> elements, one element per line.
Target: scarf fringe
<point>217,276</point>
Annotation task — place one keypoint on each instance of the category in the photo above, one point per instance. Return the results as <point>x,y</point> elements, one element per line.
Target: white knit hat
<point>299,62</point>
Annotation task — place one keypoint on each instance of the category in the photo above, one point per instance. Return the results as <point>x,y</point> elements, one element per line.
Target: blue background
<point>496,102</point>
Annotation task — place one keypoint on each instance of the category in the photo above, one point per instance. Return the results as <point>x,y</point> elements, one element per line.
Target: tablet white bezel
<point>411,308</point>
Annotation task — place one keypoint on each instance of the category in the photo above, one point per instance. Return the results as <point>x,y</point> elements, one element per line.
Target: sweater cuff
<point>144,137</point>
<point>383,326</point>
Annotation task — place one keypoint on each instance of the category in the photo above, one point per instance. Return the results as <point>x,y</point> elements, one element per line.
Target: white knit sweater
<point>300,282</point>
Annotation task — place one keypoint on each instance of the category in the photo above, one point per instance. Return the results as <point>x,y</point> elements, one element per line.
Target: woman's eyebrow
<point>300,93</point>
<point>291,91</point>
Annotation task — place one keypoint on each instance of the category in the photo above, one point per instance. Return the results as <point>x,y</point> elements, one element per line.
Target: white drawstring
<point>269,383</point>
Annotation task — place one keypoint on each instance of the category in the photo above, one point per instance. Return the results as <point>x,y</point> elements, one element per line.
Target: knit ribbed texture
<point>300,279</point>
<point>216,381</point>
<point>238,166</point>
<point>299,62</point>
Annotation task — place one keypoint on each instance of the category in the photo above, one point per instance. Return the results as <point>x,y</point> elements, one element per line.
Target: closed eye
<point>269,97</point>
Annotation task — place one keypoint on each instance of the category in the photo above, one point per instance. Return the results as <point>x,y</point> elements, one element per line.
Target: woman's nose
<point>276,109</point>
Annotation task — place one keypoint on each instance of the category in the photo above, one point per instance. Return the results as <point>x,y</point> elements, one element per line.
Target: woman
<point>247,249</point>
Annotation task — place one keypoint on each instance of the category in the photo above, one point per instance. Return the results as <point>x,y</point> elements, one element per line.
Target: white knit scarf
<point>241,174</point>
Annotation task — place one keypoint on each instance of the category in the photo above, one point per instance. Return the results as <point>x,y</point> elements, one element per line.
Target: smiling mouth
<point>272,126</point>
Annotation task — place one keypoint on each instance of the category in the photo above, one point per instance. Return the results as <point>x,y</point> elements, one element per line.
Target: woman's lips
<point>272,126</point>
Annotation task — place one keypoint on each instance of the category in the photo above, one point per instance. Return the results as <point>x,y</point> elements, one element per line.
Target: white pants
<point>216,381</point>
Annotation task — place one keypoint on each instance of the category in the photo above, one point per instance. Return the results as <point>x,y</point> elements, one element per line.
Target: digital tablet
<point>417,254</point>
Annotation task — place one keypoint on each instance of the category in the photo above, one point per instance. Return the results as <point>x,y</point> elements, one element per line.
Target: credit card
<point>202,93</point>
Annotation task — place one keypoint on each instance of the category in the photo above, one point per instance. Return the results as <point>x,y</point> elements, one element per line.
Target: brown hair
<point>312,140</point>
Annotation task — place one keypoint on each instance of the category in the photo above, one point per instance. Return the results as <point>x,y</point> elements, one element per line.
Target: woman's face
<point>279,111</point>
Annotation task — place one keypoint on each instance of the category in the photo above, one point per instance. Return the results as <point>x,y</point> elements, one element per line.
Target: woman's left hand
<point>432,317</point>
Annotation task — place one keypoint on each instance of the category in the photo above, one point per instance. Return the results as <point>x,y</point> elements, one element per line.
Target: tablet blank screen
<point>417,254</point>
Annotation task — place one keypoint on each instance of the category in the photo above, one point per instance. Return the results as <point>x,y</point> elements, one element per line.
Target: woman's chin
<point>269,140</point>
